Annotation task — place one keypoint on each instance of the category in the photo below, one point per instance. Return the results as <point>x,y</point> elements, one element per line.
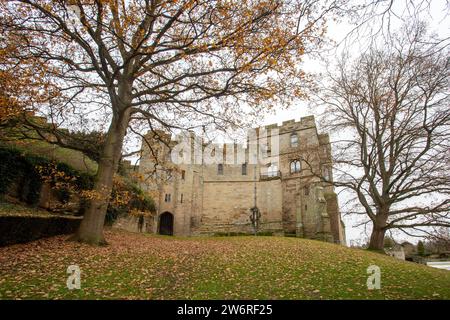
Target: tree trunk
<point>379,230</point>
<point>377,239</point>
<point>91,227</point>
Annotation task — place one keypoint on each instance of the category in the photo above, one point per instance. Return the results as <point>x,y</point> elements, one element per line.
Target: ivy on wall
<point>29,172</point>
<point>18,168</point>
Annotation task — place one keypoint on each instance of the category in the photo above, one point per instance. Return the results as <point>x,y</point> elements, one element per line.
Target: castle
<point>281,194</point>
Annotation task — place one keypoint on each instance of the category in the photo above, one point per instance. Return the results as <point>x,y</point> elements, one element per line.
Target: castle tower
<point>286,185</point>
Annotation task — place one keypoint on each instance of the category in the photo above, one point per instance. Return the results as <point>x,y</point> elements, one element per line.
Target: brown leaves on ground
<point>136,266</point>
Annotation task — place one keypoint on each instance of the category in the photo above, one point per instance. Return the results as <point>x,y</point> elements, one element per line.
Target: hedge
<point>24,229</point>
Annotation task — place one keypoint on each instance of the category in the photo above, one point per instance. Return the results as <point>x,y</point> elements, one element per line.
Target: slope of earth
<point>137,266</point>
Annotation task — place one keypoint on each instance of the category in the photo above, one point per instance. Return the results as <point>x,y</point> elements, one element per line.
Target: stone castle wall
<point>202,201</point>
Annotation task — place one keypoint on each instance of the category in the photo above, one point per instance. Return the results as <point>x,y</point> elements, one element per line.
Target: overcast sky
<point>340,32</point>
<point>438,22</point>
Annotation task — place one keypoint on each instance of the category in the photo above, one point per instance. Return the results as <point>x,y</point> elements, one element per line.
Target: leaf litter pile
<point>138,266</point>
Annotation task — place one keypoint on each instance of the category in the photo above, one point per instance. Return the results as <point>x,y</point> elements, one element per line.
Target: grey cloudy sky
<point>436,15</point>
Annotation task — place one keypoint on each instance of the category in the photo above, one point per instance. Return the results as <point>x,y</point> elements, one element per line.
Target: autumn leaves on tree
<point>158,64</point>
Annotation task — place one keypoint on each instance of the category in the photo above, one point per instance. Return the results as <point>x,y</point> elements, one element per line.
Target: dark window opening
<point>220,169</point>
<point>244,169</point>
<point>183,174</point>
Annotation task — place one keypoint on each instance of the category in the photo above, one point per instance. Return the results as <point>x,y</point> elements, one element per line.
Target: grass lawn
<point>135,266</point>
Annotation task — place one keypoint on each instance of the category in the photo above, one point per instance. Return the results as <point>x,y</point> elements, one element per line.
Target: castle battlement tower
<point>287,184</point>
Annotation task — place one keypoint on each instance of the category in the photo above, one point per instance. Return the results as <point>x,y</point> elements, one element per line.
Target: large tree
<point>162,63</point>
<point>390,111</point>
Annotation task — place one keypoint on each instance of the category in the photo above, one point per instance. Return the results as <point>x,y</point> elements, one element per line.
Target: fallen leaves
<point>136,266</point>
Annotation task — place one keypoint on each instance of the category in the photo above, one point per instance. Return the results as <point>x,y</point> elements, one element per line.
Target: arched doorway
<point>165,225</point>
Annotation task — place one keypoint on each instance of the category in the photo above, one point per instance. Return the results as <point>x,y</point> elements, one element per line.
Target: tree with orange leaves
<point>163,64</point>
<point>22,81</point>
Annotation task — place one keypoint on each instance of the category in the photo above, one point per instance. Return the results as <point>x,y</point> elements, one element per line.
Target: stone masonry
<point>205,199</point>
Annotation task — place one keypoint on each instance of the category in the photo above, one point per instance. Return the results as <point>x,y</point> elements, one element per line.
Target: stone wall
<point>131,223</point>
<point>226,206</point>
<point>203,201</point>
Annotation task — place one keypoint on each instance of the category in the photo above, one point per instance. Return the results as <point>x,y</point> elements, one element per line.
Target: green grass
<point>135,266</point>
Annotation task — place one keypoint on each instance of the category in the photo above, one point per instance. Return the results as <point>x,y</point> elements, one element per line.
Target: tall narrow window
<point>167,197</point>
<point>244,169</point>
<point>326,174</point>
<point>294,140</point>
<point>220,169</point>
<point>169,175</point>
<point>295,166</point>
<point>183,174</point>
<point>181,198</point>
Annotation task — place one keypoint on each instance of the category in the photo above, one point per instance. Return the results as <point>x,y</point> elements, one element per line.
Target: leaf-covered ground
<point>136,266</point>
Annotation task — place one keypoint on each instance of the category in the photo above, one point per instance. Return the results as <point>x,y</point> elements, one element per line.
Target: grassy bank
<point>155,267</point>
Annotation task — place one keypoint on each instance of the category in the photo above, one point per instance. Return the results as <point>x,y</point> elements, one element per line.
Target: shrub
<point>24,229</point>
<point>30,172</point>
<point>8,162</point>
<point>127,198</point>
<point>16,167</point>
<point>420,248</point>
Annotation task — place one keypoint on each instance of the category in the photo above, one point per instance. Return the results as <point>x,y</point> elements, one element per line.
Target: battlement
<point>289,125</point>
<point>216,190</point>
<point>324,138</point>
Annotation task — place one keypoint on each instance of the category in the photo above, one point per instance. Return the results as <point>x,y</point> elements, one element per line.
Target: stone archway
<point>165,224</point>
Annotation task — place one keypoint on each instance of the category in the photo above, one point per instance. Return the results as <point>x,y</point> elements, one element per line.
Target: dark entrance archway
<point>165,225</point>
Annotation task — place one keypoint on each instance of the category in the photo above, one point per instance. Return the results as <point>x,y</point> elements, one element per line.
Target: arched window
<point>220,169</point>
<point>295,166</point>
<point>294,140</point>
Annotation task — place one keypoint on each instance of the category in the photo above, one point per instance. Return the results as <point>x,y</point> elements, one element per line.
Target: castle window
<point>244,169</point>
<point>306,207</point>
<point>220,169</point>
<point>167,197</point>
<point>294,140</point>
<point>272,170</point>
<point>181,198</point>
<point>183,174</point>
<point>326,174</point>
<point>295,166</point>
